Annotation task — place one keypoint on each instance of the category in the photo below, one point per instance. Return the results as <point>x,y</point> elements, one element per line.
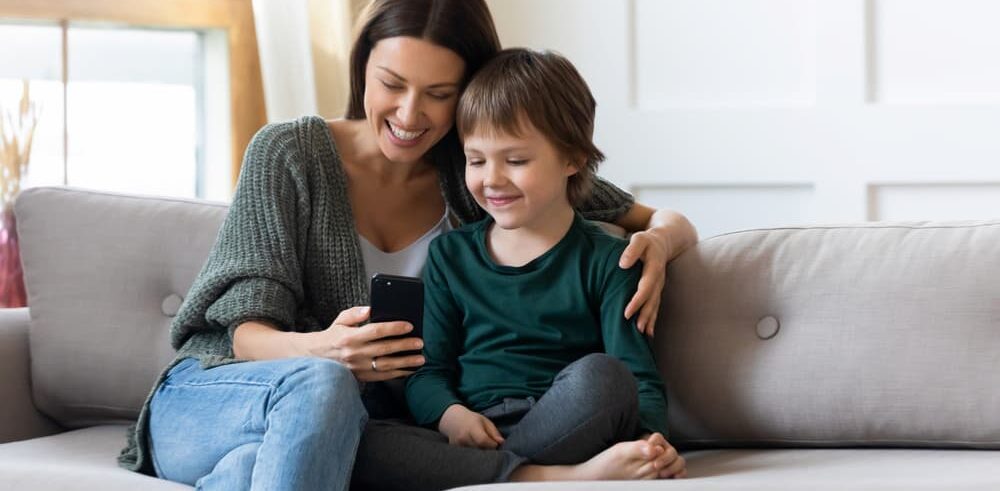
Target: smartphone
<point>398,298</point>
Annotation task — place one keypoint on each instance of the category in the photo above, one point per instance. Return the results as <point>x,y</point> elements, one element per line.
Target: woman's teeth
<point>405,135</point>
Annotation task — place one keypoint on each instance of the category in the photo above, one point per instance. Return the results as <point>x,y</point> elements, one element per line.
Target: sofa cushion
<point>81,459</point>
<point>104,273</point>
<point>819,470</point>
<point>874,335</point>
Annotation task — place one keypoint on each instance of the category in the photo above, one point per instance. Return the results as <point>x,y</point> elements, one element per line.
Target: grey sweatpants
<point>593,403</point>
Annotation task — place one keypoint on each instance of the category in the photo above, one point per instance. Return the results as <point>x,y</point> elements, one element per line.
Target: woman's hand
<point>468,428</point>
<point>364,349</point>
<point>658,237</point>
<point>652,249</point>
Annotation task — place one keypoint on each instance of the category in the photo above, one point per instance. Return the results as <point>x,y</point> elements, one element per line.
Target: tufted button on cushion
<point>172,304</point>
<point>768,327</point>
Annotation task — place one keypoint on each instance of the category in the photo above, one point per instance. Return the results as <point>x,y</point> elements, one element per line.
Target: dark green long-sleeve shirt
<point>493,331</point>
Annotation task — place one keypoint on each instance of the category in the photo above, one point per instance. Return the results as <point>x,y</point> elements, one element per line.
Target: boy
<point>526,349</point>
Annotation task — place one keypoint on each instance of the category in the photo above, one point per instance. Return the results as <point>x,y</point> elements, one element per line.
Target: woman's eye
<point>441,97</point>
<point>391,86</point>
<point>474,162</point>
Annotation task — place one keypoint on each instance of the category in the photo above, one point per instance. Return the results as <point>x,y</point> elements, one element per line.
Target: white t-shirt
<point>405,262</point>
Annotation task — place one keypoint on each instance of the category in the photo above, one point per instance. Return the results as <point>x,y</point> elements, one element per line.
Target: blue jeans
<point>287,424</point>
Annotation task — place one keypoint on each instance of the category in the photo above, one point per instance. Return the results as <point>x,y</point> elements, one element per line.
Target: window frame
<point>247,110</point>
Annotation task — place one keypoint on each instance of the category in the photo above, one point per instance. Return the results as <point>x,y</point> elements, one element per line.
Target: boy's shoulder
<point>601,239</point>
<point>605,252</point>
<point>460,238</point>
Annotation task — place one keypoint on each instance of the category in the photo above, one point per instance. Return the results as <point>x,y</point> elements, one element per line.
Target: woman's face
<point>411,90</point>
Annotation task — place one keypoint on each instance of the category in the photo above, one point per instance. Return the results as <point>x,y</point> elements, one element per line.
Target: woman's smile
<point>402,137</point>
<point>410,95</point>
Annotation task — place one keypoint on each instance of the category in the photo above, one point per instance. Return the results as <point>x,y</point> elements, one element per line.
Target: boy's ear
<point>573,165</point>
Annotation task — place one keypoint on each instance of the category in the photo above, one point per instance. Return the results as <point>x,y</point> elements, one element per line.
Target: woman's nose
<point>408,111</point>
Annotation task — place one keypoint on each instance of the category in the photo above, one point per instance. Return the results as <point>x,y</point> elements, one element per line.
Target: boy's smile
<point>500,201</point>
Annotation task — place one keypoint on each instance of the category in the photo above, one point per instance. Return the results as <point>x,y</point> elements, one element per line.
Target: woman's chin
<point>403,154</point>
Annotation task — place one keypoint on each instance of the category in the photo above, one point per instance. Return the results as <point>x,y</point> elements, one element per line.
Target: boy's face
<point>519,180</point>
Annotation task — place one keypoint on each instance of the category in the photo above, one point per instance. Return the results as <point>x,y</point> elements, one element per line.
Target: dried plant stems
<point>17,129</point>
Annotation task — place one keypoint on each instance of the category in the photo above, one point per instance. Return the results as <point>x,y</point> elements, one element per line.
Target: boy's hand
<point>468,428</point>
<point>667,460</point>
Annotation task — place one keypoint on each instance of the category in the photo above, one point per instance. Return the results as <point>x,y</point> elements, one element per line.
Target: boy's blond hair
<point>544,88</point>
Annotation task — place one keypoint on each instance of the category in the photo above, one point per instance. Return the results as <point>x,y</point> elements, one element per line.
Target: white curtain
<point>304,45</point>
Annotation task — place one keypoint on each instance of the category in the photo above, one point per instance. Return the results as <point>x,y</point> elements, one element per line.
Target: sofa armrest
<point>19,420</point>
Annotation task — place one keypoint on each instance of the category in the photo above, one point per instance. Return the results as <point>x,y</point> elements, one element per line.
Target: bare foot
<point>626,460</point>
<point>669,462</point>
<point>623,461</point>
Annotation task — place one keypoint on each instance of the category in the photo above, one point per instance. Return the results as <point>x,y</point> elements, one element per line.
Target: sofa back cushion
<point>105,273</point>
<point>877,334</point>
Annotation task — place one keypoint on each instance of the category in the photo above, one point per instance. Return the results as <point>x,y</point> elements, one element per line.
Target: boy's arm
<point>430,390</point>
<point>626,343</point>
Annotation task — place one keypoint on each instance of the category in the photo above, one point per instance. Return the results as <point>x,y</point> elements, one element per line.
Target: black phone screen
<point>398,298</point>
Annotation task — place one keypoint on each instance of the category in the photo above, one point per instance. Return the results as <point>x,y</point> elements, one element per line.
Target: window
<point>36,59</point>
<point>138,98</point>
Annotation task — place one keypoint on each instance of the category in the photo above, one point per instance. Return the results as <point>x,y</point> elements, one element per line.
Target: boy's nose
<point>494,176</point>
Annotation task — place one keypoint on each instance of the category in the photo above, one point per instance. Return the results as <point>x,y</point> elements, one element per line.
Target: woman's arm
<point>658,237</point>
<point>344,341</point>
<point>259,340</point>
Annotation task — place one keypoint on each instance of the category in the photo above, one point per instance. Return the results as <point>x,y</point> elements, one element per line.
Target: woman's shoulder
<point>292,134</point>
<point>290,146</point>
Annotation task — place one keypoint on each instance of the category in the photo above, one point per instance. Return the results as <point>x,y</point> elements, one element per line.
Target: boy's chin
<point>506,223</point>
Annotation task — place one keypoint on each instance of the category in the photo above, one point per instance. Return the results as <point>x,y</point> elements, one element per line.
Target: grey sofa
<point>836,357</point>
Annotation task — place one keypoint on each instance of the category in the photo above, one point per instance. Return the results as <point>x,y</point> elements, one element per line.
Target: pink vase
<point>12,292</point>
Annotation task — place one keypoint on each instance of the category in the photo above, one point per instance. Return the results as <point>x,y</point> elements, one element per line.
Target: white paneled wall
<point>933,52</point>
<point>722,208</point>
<point>752,113</point>
<point>934,201</point>
<point>679,63</point>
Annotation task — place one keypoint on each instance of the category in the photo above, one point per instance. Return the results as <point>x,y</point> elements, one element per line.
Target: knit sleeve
<point>607,202</point>
<point>254,271</point>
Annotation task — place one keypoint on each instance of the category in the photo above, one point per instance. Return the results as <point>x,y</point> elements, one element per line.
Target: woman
<point>319,206</point>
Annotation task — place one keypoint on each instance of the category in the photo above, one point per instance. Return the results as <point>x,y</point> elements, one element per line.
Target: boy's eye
<point>517,161</point>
